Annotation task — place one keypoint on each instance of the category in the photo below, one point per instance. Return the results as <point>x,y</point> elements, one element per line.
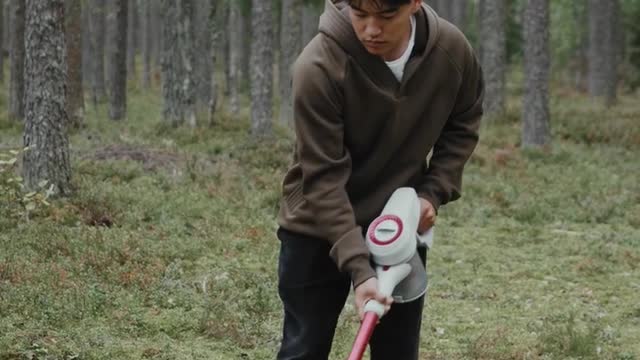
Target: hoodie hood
<point>335,24</point>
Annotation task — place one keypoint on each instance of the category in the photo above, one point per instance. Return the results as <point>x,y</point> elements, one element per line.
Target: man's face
<point>383,30</point>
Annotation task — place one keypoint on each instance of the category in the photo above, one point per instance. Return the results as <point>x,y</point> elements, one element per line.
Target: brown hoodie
<point>361,134</point>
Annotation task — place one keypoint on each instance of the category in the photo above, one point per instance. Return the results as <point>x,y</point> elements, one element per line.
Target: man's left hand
<point>427,216</point>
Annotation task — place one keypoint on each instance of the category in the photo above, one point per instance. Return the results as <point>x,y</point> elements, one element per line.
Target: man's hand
<point>427,216</point>
<point>368,290</point>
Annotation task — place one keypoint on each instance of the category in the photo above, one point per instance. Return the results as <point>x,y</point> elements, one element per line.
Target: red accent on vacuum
<point>364,334</point>
<point>377,222</point>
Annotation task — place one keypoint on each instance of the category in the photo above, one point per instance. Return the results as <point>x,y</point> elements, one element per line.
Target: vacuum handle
<point>364,334</point>
<point>388,278</point>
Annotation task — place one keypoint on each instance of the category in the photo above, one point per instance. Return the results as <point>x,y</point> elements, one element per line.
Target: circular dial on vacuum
<point>385,230</point>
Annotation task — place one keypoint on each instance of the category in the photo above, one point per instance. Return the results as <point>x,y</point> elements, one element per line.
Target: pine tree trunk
<point>261,69</point>
<point>87,51</point>
<point>245,52</point>
<point>290,45</point>
<point>98,30</point>
<point>612,47</point>
<point>73,42</point>
<point>132,36</point>
<point>435,5</point>
<point>2,41</point>
<point>479,16</point>
<point>443,8</point>
<point>16,87</point>
<point>178,89</point>
<point>603,49</point>
<point>535,131</point>
<point>447,5</point>
<point>187,37</point>
<point>459,13</point>
<point>118,61</point>
<point>493,37</point>
<point>597,36</point>
<point>235,45</point>
<point>6,27</point>
<point>580,61</point>
<point>171,69</point>
<point>310,19</point>
<point>45,135</point>
<point>158,33</point>
<point>6,31</point>
<point>146,43</point>
<point>214,28</point>
<point>205,54</point>
<point>226,47</point>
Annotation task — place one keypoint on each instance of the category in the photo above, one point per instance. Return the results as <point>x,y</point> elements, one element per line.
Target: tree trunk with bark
<point>597,36</point>
<point>204,66</point>
<point>132,37</point>
<point>146,43</point>
<point>45,134</point>
<point>613,48</point>
<point>603,49</point>
<point>6,26</point>
<point>171,65</point>
<point>157,33</point>
<point>178,88</point>
<point>235,53</point>
<point>310,19</point>
<point>226,49</point>
<point>579,63</point>
<point>244,76</point>
<point>261,69</point>
<point>87,51</point>
<point>73,42</point>
<point>442,7</point>
<point>188,58</point>
<point>118,62</point>
<point>214,28</point>
<point>290,45</point>
<point>2,41</point>
<point>535,115</point>
<point>459,13</point>
<point>494,54</point>
<point>98,30</point>
<point>16,87</point>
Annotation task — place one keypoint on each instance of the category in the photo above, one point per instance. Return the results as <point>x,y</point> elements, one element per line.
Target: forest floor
<point>167,249</point>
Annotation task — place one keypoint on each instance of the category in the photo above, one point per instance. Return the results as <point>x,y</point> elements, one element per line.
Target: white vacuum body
<point>392,239</point>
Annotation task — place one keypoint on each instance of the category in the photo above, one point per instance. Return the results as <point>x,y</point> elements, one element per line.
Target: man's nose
<point>372,29</point>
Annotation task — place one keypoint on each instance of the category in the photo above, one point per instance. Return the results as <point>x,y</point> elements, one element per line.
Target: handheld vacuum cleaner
<point>392,239</point>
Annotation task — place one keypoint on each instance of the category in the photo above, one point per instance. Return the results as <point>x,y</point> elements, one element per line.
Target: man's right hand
<point>427,216</point>
<point>368,290</point>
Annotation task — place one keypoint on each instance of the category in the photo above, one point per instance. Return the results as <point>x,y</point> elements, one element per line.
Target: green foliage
<point>566,338</point>
<point>569,32</point>
<point>15,202</point>
<point>167,248</point>
<point>631,13</point>
<point>514,30</point>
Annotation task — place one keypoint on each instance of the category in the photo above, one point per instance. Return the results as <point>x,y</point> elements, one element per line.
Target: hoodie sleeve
<point>326,165</point>
<point>442,180</point>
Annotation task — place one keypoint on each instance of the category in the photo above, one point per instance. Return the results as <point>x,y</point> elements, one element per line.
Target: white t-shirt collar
<point>397,65</point>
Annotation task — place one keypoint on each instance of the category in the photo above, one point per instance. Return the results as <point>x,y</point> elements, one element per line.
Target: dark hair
<point>380,3</point>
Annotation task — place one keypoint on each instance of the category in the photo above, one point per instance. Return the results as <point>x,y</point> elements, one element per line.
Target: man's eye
<point>388,16</point>
<point>360,15</point>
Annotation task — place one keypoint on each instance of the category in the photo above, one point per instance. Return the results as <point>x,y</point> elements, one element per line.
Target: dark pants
<point>314,292</point>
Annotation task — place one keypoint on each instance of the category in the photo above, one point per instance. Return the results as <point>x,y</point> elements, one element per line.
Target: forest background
<point>143,225</point>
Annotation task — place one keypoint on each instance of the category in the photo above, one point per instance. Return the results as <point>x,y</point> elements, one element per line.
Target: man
<point>384,83</point>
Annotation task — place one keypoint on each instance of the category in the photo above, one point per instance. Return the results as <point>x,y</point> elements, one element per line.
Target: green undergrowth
<point>167,248</point>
